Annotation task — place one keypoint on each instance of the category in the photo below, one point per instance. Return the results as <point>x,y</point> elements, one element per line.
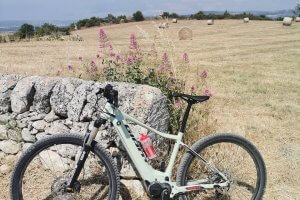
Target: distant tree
<point>226,15</point>
<point>26,31</point>
<point>64,30</point>
<point>81,23</point>
<point>46,29</point>
<point>138,16</point>
<point>261,17</point>
<point>72,26</point>
<point>93,21</point>
<point>174,15</point>
<point>110,18</point>
<point>279,19</point>
<point>90,23</point>
<point>121,17</point>
<point>297,10</point>
<point>166,15</point>
<point>199,15</point>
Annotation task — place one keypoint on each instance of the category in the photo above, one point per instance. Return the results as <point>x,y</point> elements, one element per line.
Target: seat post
<point>186,116</point>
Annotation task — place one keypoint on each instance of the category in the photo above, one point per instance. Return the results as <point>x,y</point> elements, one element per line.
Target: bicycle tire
<point>208,141</point>
<point>72,139</point>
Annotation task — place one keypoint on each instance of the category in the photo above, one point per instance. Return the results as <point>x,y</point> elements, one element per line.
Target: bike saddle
<point>190,98</point>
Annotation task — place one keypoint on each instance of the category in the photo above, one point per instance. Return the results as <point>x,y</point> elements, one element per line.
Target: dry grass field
<point>253,72</point>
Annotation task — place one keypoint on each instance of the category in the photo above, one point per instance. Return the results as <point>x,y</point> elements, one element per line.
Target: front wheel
<point>45,168</point>
<point>233,156</point>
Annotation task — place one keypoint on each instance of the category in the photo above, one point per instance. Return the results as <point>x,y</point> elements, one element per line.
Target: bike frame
<point>145,170</point>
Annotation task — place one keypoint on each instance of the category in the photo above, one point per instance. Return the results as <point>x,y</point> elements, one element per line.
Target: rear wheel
<point>233,156</point>
<point>44,170</point>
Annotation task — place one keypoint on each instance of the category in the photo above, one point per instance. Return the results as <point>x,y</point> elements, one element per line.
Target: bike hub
<point>61,191</point>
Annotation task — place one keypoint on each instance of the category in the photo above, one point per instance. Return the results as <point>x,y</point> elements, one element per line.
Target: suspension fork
<point>86,148</point>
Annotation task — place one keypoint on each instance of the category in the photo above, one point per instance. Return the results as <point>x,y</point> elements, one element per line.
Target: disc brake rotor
<point>59,189</point>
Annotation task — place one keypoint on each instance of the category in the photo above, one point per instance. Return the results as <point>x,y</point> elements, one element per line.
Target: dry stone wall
<point>34,107</point>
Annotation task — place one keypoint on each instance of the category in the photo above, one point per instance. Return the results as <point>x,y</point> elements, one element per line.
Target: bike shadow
<point>104,184</point>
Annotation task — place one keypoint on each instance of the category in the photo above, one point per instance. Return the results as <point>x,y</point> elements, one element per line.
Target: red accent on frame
<point>194,187</point>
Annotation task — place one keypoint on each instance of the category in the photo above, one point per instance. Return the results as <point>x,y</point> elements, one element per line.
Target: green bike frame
<point>145,170</point>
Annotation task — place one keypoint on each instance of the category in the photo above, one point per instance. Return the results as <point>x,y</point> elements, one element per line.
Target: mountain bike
<point>73,166</point>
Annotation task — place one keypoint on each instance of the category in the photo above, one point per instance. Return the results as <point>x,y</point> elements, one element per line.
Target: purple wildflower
<point>110,47</point>
<point>94,68</point>
<point>161,68</point>
<point>98,56</point>
<point>165,61</point>
<point>102,38</point>
<point>118,57</point>
<point>129,60</point>
<point>112,54</point>
<point>58,73</point>
<point>185,58</point>
<point>165,58</point>
<point>207,92</point>
<point>70,67</point>
<point>133,42</point>
<point>203,74</point>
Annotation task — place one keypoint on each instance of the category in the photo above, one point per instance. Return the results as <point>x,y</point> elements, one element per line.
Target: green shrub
<point>81,23</point>
<point>199,15</point>
<point>138,16</point>
<point>174,15</point>
<point>279,19</point>
<point>166,14</point>
<point>226,15</point>
<point>26,31</point>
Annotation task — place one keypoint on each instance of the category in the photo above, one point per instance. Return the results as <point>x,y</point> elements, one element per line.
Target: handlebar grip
<point>110,94</point>
<point>107,91</point>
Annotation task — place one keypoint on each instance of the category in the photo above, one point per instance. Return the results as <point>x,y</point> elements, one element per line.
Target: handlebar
<point>110,94</point>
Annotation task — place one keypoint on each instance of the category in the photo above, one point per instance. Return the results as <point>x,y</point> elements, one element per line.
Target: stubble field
<point>253,72</point>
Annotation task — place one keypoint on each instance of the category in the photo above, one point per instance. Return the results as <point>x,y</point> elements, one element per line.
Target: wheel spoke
<point>231,158</point>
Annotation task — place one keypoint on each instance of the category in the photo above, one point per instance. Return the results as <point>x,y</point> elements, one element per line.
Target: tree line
<point>29,31</point>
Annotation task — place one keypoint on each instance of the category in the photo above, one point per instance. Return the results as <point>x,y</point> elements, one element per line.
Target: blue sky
<point>77,9</point>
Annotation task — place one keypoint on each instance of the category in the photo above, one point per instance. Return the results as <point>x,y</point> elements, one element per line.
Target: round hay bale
<point>246,20</point>
<point>210,22</point>
<point>297,19</point>
<point>185,33</point>
<point>174,20</point>
<point>163,25</point>
<point>287,21</point>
